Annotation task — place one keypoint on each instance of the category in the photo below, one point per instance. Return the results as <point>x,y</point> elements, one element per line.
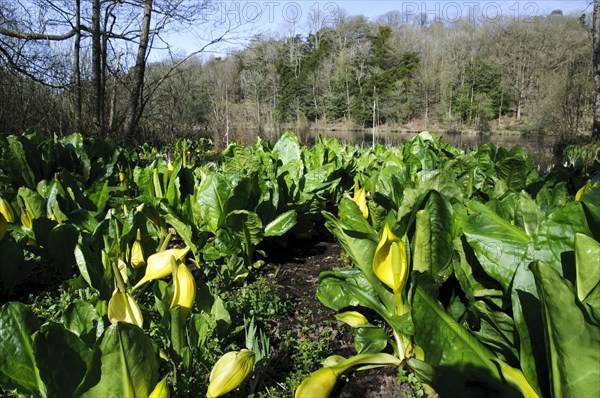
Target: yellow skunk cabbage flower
<point>121,177</point>
<point>185,290</point>
<point>319,384</point>
<point>169,168</point>
<point>137,252</point>
<point>7,211</point>
<point>586,188</point>
<point>26,218</point>
<point>353,318</point>
<point>360,198</point>
<point>123,308</point>
<point>3,226</point>
<point>158,265</point>
<point>161,390</point>
<point>390,263</point>
<point>229,372</point>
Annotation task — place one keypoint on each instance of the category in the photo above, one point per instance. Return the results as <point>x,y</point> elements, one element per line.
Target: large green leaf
<point>82,318</point>
<point>332,292</point>
<point>441,221</point>
<point>17,361</point>
<point>62,359</point>
<point>370,339</point>
<point>287,148</point>
<point>528,215</point>
<point>93,271</point>
<point>553,244</point>
<point>359,241</point>
<point>22,162</point>
<point>281,224</point>
<point>246,225</point>
<point>184,230</point>
<point>99,193</point>
<point>587,259</point>
<point>74,157</point>
<point>32,201</point>
<point>127,364</point>
<point>463,366</point>
<point>497,330</point>
<point>349,287</point>
<point>572,343</point>
<point>172,185</point>
<point>515,167</point>
<point>497,244</point>
<point>211,198</point>
<point>61,244</point>
<point>556,235</point>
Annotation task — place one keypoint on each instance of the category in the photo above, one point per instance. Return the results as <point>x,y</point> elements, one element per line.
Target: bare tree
<point>596,46</point>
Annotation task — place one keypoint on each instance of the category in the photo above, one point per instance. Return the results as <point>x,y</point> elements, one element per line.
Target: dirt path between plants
<point>297,270</point>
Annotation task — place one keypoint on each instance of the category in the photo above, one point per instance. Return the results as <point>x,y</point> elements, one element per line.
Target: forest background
<point>111,68</point>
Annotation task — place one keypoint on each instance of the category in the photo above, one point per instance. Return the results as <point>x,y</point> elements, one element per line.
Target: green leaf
<point>220,313</point>
<point>497,330</point>
<point>571,341</point>
<point>556,235</point>
<point>184,230</point>
<point>99,193</point>
<point>12,265</point>
<point>172,190</point>
<point>81,318</point>
<point>127,364</point>
<point>528,215</point>
<point>246,225</point>
<point>32,201</point>
<point>359,240</point>
<point>281,224</point>
<point>515,167</point>
<point>441,221</point>
<point>17,361</point>
<point>331,291</point>
<point>22,162</point>
<point>497,244</point>
<point>422,243</point>
<point>62,359</point>
<point>369,339</point>
<point>349,287</point>
<point>92,270</point>
<point>61,244</point>
<point>553,244</point>
<point>587,260</point>
<point>287,148</point>
<point>211,199</point>
<point>463,366</point>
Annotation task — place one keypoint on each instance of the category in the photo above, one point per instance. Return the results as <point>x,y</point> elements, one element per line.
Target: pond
<point>539,147</point>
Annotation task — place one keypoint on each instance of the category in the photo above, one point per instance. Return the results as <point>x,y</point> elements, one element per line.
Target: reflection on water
<point>538,147</point>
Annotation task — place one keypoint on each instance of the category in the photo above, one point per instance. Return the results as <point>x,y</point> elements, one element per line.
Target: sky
<point>279,18</point>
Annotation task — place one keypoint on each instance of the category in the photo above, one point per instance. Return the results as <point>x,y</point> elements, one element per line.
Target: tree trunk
<point>113,98</point>
<point>98,99</point>
<point>76,67</point>
<point>139,71</point>
<point>596,45</point>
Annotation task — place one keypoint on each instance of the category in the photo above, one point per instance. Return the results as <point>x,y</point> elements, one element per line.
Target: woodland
<point>69,66</point>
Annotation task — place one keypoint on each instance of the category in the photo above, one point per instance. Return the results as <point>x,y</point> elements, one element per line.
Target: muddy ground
<point>297,270</point>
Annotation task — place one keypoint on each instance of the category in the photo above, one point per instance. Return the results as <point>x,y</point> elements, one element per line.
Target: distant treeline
<point>529,75</point>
